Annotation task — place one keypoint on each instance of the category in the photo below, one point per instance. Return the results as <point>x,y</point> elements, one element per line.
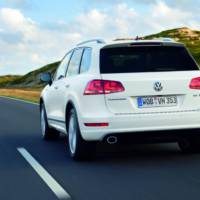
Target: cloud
<point>27,44</point>
<point>14,21</point>
<point>12,38</point>
<point>123,20</point>
<point>163,17</point>
<point>180,4</point>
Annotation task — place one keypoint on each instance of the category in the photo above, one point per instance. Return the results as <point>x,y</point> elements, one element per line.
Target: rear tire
<point>47,132</point>
<point>191,145</point>
<point>79,149</point>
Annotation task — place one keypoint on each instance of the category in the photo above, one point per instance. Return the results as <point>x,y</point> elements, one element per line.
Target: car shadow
<point>137,151</point>
<point>56,151</point>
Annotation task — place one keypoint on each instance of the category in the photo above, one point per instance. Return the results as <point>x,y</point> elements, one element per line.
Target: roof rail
<point>100,41</point>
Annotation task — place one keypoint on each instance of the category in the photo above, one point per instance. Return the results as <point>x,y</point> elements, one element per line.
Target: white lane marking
<point>44,175</point>
<point>12,98</point>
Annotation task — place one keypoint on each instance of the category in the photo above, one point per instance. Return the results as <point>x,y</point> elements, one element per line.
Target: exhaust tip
<point>112,140</point>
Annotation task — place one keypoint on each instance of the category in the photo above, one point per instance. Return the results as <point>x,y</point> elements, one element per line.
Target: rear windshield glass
<point>146,59</point>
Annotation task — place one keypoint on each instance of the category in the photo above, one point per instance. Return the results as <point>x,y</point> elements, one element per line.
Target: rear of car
<point>123,91</point>
<point>147,86</point>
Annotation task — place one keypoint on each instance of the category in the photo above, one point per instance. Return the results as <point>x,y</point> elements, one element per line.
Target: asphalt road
<point>142,172</point>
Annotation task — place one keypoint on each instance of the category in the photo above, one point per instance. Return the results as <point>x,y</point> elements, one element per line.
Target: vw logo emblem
<point>158,86</point>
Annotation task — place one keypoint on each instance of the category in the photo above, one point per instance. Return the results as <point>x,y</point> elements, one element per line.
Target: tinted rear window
<point>146,59</point>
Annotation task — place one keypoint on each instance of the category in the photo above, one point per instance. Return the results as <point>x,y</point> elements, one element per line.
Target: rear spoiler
<point>137,44</point>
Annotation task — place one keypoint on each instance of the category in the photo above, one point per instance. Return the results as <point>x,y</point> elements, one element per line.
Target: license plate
<point>157,101</point>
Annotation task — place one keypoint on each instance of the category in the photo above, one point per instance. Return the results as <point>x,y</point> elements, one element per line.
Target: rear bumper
<point>155,136</point>
<point>141,124</point>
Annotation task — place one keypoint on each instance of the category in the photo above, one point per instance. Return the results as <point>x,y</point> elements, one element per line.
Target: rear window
<point>146,59</point>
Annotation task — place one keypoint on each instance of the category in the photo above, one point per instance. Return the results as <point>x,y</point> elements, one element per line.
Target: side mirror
<point>46,78</point>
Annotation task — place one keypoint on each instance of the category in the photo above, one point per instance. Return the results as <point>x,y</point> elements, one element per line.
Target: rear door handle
<point>55,87</point>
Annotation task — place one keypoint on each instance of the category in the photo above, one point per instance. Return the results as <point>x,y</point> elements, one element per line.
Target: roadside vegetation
<point>29,86</point>
<point>30,80</point>
<point>7,79</point>
<point>31,95</point>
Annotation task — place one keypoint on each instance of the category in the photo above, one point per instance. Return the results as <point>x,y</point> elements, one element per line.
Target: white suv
<point>124,90</point>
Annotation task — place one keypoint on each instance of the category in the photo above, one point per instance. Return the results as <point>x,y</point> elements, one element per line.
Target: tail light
<point>195,83</point>
<point>96,87</point>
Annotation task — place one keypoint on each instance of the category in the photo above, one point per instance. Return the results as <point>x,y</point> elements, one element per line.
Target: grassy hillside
<point>7,79</point>
<point>190,38</point>
<point>30,80</point>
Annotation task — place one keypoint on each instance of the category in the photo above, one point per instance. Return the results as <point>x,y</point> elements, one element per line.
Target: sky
<point>34,33</point>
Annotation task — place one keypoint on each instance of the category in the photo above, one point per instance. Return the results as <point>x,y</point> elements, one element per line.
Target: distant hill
<point>6,79</point>
<point>30,80</point>
<point>191,38</point>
